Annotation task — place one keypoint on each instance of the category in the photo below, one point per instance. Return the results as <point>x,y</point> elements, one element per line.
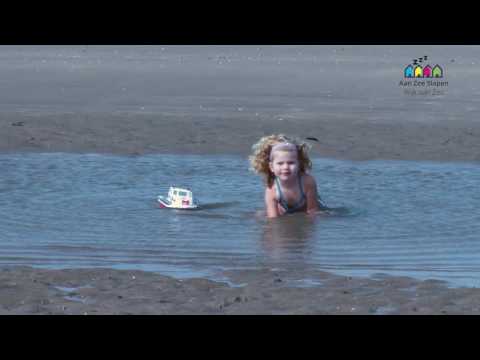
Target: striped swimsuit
<point>299,205</point>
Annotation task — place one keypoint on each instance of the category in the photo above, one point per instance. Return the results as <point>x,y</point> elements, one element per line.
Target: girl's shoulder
<point>307,178</point>
<point>308,181</point>
<point>270,188</point>
<point>270,193</point>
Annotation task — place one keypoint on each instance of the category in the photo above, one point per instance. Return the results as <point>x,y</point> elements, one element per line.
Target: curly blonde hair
<point>260,159</point>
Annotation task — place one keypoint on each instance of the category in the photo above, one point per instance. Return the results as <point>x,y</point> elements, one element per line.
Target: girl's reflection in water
<point>288,236</point>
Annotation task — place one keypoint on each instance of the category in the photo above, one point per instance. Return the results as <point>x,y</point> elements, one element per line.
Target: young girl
<point>284,163</point>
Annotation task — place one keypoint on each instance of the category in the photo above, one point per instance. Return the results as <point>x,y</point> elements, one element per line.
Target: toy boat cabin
<point>178,198</point>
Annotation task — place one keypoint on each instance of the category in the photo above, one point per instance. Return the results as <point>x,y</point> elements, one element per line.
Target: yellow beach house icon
<point>418,71</point>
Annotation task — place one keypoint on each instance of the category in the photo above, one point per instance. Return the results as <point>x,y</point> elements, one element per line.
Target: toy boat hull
<point>163,202</point>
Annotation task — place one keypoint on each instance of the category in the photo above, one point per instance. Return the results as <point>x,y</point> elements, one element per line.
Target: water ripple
<point>65,210</point>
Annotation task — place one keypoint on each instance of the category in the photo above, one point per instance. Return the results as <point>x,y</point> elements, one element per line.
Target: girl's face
<point>285,165</point>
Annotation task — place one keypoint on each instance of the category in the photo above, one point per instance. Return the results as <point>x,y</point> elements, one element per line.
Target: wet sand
<point>78,99</point>
<point>143,134</point>
<point>222,99</point>
<point>24,290</point>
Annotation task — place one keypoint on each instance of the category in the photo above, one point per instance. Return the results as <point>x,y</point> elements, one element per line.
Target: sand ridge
<point>25,290</point>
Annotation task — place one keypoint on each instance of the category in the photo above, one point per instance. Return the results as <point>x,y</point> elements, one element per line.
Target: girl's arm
<point>311,194</point>
<point>271,204</point>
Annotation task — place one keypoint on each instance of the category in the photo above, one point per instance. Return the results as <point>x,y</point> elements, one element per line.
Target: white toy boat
<point>177,198</point>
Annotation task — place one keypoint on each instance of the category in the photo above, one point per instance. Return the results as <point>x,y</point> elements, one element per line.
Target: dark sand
<point>143,134</point>
<point>208,100</point>
<point>24,290</point>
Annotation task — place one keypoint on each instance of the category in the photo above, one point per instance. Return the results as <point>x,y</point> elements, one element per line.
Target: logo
<point>421,78</point>
<point>415,70</point>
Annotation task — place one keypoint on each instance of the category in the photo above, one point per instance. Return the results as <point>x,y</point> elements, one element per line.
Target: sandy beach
<point>220,99</point>
<point>24,290</point>
<point>191,101</point>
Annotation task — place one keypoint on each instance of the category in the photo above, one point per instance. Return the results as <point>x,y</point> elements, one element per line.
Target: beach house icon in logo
<point>415,70</point>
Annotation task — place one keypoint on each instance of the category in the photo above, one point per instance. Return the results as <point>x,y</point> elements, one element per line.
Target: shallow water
<point>395,217</point>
